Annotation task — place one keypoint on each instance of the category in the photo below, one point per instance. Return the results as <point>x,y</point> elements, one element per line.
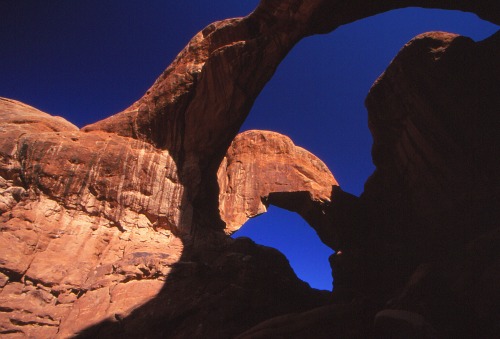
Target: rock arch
<point>196,107</point>
<point>262,168</point>
<point>191,114</point>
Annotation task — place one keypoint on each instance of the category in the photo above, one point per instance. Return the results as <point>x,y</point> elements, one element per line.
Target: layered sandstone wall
<point>115,229</point>
<point>75,246</point>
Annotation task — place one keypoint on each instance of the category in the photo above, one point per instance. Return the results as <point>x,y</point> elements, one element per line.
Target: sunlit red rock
<point>74,240</point>
<point>260,163</point>
<point>115,230</point>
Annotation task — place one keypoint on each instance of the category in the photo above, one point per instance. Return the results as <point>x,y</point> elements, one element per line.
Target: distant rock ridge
<point>119,229</point>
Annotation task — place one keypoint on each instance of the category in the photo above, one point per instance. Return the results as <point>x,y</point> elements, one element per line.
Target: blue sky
<point>85,60</point>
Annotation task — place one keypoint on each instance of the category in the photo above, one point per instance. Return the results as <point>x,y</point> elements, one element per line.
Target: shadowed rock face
<point>422,248</point>
<point>118,225</point>
<point>434,116</point>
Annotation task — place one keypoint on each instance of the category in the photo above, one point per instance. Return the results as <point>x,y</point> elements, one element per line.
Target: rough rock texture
<point>196,107</point>
<point>261,167</point>
<point>116,231</point>
<point>74,244</point>
<point>218,293</point>
<point>89,232</point>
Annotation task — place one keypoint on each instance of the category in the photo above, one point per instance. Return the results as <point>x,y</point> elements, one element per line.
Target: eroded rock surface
<point>93,224</point>
<point>74,243</point>
<point>115,230</point>
<point>197,105</point>
<point>260,164</point>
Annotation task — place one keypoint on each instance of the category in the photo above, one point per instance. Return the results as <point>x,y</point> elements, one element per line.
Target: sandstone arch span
<point>188,119</point>
<point>262,168</point>
<point>195,108</point>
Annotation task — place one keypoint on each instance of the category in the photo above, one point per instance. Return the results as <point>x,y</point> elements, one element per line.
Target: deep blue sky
<point>85,60</point>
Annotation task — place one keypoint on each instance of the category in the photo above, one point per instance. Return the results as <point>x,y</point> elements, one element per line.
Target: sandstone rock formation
<point>115,230</point>
<point>197,105</point>
<point>435,193</point>
<point>262,167</point>
<point>74,243</point>
<point>435,140</point>
<point>420,260</point>
<point>89,232</point>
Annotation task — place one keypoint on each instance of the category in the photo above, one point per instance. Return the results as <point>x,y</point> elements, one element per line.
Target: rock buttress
<point>80,233</point>
<point>433,200</point>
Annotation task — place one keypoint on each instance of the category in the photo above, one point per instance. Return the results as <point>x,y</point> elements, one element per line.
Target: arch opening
<point>290,234</point>
<point>316,96</point>
<point>331,86</point>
